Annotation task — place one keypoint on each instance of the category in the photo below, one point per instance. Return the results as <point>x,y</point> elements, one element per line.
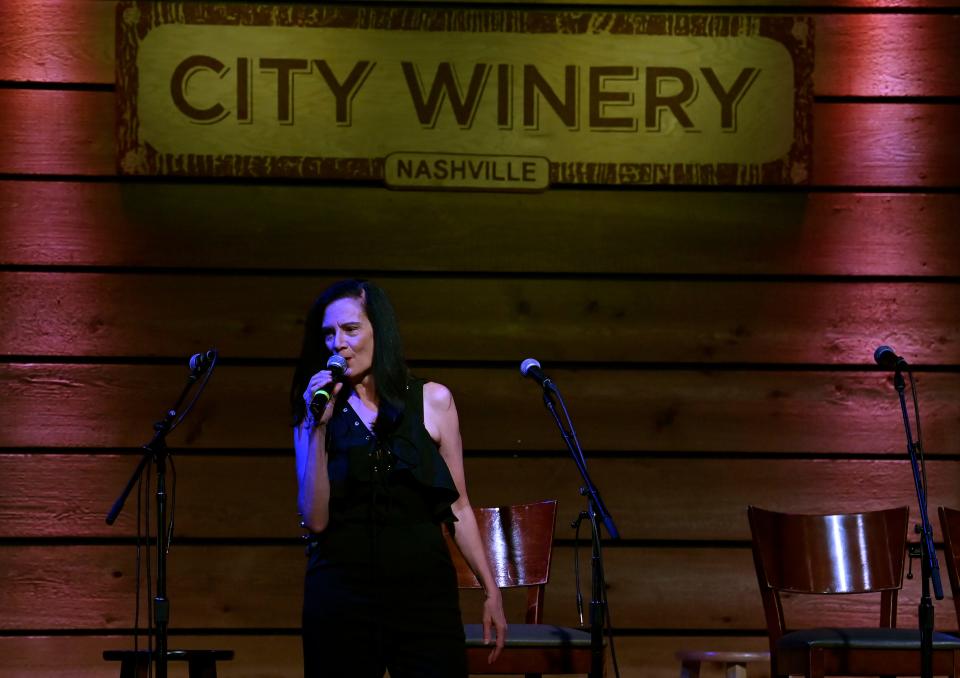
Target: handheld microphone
<point>886,357</point>
<point>199,362</point>
<point>531,368</point>
<point>337,365</point>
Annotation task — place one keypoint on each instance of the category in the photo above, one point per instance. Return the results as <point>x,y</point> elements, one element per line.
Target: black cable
<point>173,501</point>
<point>576,570</point>
<point>149,580</point>
<point>571,434</point>
<point>916,418</point>
<point>606,603</point>
<point>139,568</point>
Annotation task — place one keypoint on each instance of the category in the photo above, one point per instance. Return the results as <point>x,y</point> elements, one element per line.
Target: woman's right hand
<point>317,382</point>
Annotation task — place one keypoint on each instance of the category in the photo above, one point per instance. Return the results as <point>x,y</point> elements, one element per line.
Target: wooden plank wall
<point>715,347</point>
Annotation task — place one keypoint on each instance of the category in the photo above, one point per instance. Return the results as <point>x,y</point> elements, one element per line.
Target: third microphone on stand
<point>886,357</point>
<point>337,365</point>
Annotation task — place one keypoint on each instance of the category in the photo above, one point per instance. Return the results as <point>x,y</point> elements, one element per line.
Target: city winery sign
<point>463,98</point>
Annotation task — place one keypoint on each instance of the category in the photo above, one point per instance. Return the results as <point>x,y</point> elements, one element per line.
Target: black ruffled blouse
<point>394,475</point>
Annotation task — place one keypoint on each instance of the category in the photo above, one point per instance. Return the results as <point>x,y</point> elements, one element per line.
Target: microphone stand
<point>596,509</point>
<point>156,450</point>
<point>929,567</point>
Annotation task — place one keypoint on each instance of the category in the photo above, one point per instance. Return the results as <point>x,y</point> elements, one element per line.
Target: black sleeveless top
<point>395,475</point>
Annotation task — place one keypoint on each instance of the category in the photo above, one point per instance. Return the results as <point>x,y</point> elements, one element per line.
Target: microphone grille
<point>527,364</point>
<point>199,362</point>
<point>337,364</point>
<point>884,355</point>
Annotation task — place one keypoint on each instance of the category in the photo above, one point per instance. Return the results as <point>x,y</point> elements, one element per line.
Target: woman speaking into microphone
<point>380,468</point>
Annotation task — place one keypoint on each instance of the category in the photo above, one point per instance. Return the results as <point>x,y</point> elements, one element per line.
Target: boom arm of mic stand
<point>926,528</point>
<point>573,445</point>
<point>161,428</point>
<point>122,499</point>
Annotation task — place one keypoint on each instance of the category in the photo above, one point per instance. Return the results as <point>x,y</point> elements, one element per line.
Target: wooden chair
<point>840,554</point>
<point>519,542</point>
<point>950,526</point>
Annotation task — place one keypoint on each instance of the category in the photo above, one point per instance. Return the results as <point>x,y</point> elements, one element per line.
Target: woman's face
<point>347,332</point>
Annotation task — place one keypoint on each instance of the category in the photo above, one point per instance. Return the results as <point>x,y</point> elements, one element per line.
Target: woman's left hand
<point>493,617</point>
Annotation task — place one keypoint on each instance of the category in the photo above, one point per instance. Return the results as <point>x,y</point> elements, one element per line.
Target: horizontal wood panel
<point>71,132</point>
<point>284,227</point>
<point>681,411</point>
<point>82,314</point>
<point>658,499</point>
<point>873,55</point>
<point>280,656</point>
<point>261,587</point>
<point>856,55</point>
<point>890,145</point>
<point>57,132</point>
<point>58,40</point>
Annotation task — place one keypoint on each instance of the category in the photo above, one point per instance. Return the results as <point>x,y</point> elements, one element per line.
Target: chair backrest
<point>950,526</point>
<point>518,541</point>
<point>828,554</point>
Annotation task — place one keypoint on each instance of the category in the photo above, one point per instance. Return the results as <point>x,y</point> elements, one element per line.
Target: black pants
<point>385,604</point>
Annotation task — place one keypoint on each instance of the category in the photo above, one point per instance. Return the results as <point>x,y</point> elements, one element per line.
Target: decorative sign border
<point>136,19</point>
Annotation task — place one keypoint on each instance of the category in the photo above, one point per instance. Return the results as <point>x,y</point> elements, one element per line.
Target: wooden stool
<point>734,663</point>
<point>200,663</point>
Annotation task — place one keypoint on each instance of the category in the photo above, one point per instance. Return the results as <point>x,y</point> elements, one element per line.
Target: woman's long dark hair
<point>389,367</point>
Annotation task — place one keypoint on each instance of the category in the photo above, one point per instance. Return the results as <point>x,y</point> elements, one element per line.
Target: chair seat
<point>532,635</point>
<point>863,639</point>
<point>864,652</point>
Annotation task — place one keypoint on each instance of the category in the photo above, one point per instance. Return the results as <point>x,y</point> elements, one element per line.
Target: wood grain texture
<point>71,133</point>
<point>651,499</point>
<point>58,41</point>
<point>83,314</point>
<point>856,55</point>
<point>57,132</point>
<point>891,145</point>
<point>238,587</point>
<point>259,656</point>
<point>875,55</point>
<point>296,227</point>
<point>667,411</point>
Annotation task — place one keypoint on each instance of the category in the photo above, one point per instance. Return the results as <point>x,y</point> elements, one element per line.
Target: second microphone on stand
<point>199,362</point>
<point>531,368</point>
<point>337,365</point>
